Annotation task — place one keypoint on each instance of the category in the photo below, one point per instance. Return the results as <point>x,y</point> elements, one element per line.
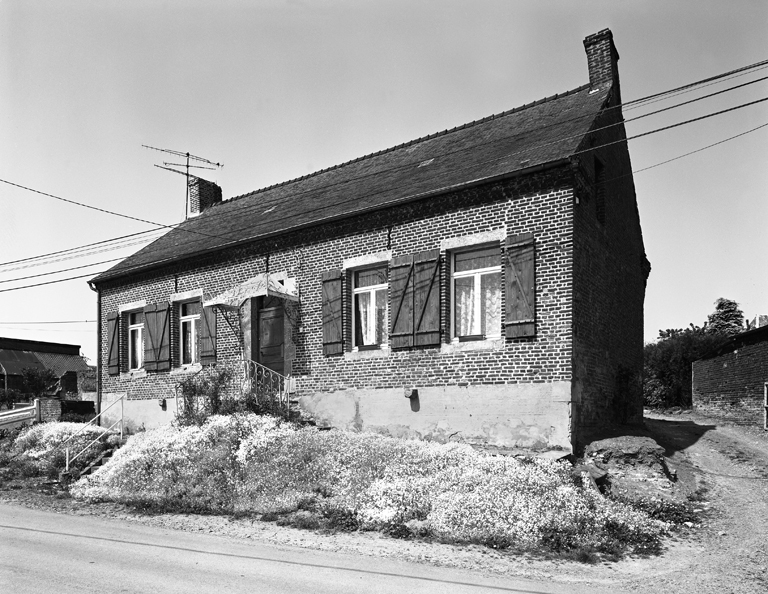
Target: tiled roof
<point>60,364</point>
<point>531,135</point>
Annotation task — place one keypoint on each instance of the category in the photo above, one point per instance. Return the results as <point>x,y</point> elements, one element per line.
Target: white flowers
<point>249,463</point>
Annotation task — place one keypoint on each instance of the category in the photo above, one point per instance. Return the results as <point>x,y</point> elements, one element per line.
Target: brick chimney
<point>202,194</point>
<point>602,59</point>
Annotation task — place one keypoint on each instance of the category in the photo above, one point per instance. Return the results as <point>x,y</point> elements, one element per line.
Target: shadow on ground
<point>672,435</point>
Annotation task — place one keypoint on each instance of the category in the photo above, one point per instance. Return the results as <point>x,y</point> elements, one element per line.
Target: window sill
<point>489,344</point>
<point>383,352</point>
<point>133,374</point>
<point>186,369</point>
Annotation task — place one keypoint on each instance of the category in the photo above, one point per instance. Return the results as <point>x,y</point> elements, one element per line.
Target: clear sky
<point>278,89</point>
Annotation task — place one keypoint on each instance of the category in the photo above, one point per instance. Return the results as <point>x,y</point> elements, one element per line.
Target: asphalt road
<point>45,552</point>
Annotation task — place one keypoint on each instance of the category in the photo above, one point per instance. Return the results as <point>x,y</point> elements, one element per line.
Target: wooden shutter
<point>333,334</point>
<point>207,339</point>
<point>113,343</point>
<point>157,337</point>
<point>401,297</point>
<point>520,273</point>
<point>426,298</point>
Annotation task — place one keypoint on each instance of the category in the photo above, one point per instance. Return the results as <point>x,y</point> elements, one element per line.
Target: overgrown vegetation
<point>667,362</point>
<point>39,450</point>
<point>212,392</point>
<point>38,382</point>
<point>247,464</point>
<point>8,397</point>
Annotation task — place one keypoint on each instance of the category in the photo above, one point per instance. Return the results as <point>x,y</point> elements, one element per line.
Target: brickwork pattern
<point>609,283</point>
<point>523,205</point>
<point>731,386</point>
<point>50,409</point>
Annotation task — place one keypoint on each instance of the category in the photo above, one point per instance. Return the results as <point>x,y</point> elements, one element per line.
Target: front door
<point>271,338</point>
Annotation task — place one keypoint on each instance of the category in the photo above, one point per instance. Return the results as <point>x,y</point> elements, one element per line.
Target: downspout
<point>98,350</point>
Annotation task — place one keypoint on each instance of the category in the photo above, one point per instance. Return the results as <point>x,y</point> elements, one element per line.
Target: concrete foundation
<point>137,414</point>
<point>533,416</point>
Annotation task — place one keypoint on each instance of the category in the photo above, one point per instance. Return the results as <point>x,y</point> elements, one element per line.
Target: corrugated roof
<point>531,135</point>
<point>13,362</point>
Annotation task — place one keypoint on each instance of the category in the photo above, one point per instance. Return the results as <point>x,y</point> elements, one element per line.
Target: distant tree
<point>38,381</point>
<point>667,364</point>
<point>727,319</point>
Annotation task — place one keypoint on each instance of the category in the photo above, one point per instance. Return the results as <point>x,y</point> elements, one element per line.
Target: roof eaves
<point>106,276</point>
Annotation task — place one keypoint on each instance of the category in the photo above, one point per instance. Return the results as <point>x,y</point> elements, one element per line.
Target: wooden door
<point>271,339</point>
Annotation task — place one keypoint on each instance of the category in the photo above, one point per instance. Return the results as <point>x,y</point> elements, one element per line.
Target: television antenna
<point>169,167</point>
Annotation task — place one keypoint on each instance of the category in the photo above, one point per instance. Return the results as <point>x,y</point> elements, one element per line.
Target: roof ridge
<point>405,144</point>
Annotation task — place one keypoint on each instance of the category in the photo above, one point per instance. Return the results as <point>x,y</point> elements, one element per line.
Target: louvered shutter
<point>333,335</point>
<point>401,298</point>
<point>113,343</point>
<point>520,273</point>
<point>426,298</point>
<point>207,340</point>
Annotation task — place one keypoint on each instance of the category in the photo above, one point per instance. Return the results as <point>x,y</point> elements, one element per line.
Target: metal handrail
<point>104,432</point>
<point>76,456</point>
<point>267,382</point>
<point>120,400</point>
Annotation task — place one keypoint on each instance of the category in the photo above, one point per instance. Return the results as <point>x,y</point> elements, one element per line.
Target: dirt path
<point>726,553</point>
<point>729,552</point>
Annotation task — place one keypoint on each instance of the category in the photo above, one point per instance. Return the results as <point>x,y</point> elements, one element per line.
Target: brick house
<point>494,274</point>
<point>730,382</point>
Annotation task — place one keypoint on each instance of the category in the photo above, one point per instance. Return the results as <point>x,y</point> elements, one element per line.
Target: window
<point>476,290</point>
<point>189,320</point>
<point>369,312</point>
<point>135,340</point>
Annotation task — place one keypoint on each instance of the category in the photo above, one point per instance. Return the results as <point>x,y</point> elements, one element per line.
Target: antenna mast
<point>187,166</point>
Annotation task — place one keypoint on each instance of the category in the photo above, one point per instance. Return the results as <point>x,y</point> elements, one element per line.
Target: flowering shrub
<point>42,446</point>
<point>255,464</point>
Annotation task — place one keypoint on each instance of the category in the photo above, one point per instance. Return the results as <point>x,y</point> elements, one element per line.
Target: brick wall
<point>730,386</point>
<point>50,409</point>
<point>541,204</point>
<point>610,270</point>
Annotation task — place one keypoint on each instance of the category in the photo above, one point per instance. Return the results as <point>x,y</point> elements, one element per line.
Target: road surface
<point>45,552</point>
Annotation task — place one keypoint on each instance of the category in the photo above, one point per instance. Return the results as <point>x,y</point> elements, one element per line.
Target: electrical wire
<point>51,322</point>
<point>611,179</point>
<point>506,156</point>
<point>686,88</point>
<point>60,271</point>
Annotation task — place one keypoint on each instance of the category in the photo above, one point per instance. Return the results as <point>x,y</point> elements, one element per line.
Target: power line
<point>51,322</point>
<point>60,271</point>
<point>236,211</point>
<point>81,247</point>
<point>592,149</point>
<point>702,82</point>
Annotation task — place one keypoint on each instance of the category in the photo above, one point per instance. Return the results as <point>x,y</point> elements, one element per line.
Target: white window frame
<point>476,273</point>
<point>194,320</point>
<point>372,289</point>
<point>138,328</point>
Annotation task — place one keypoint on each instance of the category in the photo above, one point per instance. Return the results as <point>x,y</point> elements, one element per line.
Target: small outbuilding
<point>64,360</point>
